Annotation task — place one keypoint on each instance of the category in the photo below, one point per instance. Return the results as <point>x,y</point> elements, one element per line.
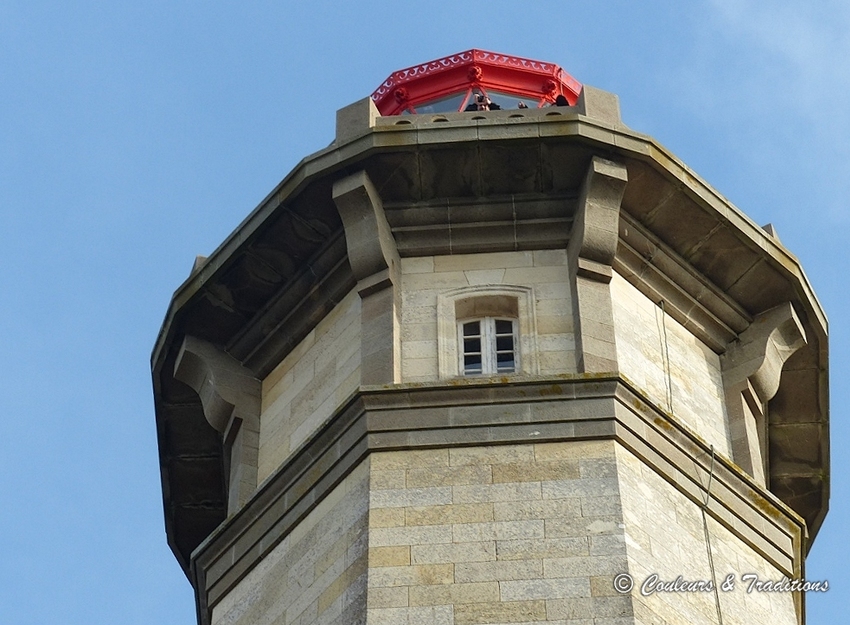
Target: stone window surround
<point>457,304</point>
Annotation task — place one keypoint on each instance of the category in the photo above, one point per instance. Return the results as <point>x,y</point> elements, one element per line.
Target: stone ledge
<point>489,412</point>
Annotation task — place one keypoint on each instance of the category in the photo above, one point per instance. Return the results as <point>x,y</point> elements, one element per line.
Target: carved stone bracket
<point>591,251</point>
<point>752,368</point>
<point>374,259</point>
<point>231,398</point>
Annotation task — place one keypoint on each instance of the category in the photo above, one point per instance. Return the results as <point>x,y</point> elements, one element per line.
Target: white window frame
<point>488,345</point>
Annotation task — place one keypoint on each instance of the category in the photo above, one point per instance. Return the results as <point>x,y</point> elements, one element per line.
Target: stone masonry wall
<point>317,574</point>
<point>424,278</point>
<point>504,534</point>
<point>501,535</point>
<point>309,384</point>
<point>697,385</point>
<point>666,535</point>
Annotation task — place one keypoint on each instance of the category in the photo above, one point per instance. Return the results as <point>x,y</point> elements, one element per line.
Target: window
<point>500,335</point>
<point>488,346</point>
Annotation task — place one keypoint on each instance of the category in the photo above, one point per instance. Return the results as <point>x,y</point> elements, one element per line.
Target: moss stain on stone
<point>553,389</point>
<point>764,505</point>
<point>664,424</point>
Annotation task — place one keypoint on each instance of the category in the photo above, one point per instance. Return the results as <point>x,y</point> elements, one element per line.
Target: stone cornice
<point>411,133</point>
<point>492,412</point>
<point>662,275</point>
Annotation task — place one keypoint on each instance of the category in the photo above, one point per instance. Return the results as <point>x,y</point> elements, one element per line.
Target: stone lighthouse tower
<point>492,357</point>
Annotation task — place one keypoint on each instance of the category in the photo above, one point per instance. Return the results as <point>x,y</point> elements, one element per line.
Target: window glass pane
<point>504,327</point>
<point>505,343</point>
<point>471,328</point>
<point>471,346</point>
<point>449,104</point>
<point>505,363</point>
<point>472,363</point>
<point>510,101</point>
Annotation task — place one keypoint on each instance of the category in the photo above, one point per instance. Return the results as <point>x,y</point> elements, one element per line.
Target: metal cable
<point>704,507</point>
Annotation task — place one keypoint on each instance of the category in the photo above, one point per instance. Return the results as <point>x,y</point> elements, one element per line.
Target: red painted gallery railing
<point>453,83</point>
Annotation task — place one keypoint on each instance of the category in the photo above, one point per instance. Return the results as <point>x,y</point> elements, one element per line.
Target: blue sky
<point>134,136</point>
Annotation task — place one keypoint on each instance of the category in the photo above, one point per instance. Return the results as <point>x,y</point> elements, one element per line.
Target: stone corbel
<point>231,399</point>
<point>752,368</point>
<point>374,259</point>
<point>591,250</point>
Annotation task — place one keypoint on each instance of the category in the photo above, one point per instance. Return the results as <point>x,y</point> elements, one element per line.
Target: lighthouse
<point>494,357</point>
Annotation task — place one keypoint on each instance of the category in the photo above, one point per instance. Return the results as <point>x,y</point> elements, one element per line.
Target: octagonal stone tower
<point>474,367</point>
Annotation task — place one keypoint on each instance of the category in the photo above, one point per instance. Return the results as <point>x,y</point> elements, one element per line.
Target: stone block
<point>582,526</point>
<point>414,575</point>
<point>405,497</point>
<point>549,258</point>
<point>387,597</point>
<point>437,280</point>
<point>599,104</point>
<point>420,332</point>
<point>382,480</point>
<point>607,544</point>
<point>484,276</point>
<point>554,319</point>
<point>598,608</point>
<point>598,468</point>
<point>428,615</point>
<point>534,275</point>
<point>545,452</point>
<point>477,493</point>
<point>602,506</point>
<point>500,570</point>
<point>418,349</point>
<point>454,594</point>
<point>543,548</point>
<point>422,264</point>
<point>500,454</point>
<point>550,588</point>
<point>457,513</point>
<point>535,471</point>
<point>585,487</point>
<point>497,530</point>
<point>555,342</point>
<point>410,459</point>
<point>389,556</point>
<point>507,612</point>
<point>450,476</point>
<point>603,586</point>
<point>453,552</point>
<point>420,369</point>
<point>538,509</point>
<point>386,517</point>
<point>586,566</point>
<point>574,609</point>
<point>495,132</point>
<point>355,120</point>
<point>557,362</point>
